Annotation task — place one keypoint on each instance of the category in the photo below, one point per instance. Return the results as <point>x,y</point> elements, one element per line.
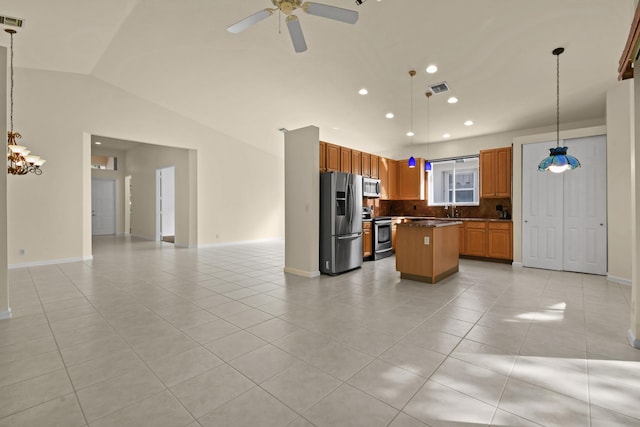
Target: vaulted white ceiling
<point>494,54</point>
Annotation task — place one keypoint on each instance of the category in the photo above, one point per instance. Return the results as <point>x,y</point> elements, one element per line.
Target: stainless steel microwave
<point>370,187</point>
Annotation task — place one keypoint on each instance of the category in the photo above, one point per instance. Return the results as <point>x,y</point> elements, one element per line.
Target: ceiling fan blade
<point>250,21</point>
<point>295,31</point>
<point>331,12</point>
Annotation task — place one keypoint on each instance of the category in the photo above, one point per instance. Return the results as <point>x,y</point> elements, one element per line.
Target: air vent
<point>439,88</point>
<point>11,22</point>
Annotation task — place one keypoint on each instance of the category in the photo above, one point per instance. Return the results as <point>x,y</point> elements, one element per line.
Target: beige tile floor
<point>150,335</point>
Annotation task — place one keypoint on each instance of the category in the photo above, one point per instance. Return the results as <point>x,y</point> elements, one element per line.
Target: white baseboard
<point>5,314</point>
<point>295,271</point>
<point>138,236</point>
<point>241,242</point>
<point>620,280</point>
<point>49,262</point>
<point>635,342</point>
<point>516,264</point>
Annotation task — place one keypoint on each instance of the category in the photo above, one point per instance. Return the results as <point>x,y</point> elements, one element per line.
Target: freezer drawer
<point>345,254</point>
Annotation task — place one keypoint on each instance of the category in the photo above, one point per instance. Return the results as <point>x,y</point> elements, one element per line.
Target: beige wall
<point>240,191</point>
<point>619,136</point>
<point>4,291</point>
<point>116,175</point>
<point>142,163</point>
<point>302,187</point>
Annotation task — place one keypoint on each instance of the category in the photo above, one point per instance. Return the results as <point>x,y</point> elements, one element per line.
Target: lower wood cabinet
<point>487,239</point>
<point>367,240</point>
<point>499,240</point>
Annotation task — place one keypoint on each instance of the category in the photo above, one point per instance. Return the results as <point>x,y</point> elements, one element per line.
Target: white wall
<point>619,136</point>
<point>302,213</point>
<point>240,194</point>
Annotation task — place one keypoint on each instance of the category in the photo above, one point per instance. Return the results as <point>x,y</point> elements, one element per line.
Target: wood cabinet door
<point>345,160</point>
<point>366,164</point>
<point>461,244</point>
<point>499,241</point>
<point>356,162</point>
<point>488,173</point>
<point>503,176</point>
<point>374,167</point>
<point>411,180</point>
<point>323,156</point>
<point>367,240</point>
<point>383,174</point>
<point>333,158</point>
<point>475,237</point>
<point>393,179</point>
<point>393,237</point>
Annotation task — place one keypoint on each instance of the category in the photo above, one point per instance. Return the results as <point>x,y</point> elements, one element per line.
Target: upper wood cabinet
<point>332,158</point>
<point>410,181</point>
<point>366,164</point>
<point>356,162</point>
<point>374,170</point>
<point>323,156</point>
<point>495,172</point>
<point>345,160</point>
<point>392,189</point>
<point>383,175</point>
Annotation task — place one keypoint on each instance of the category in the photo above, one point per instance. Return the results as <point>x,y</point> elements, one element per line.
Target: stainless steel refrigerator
<point>340,222</point>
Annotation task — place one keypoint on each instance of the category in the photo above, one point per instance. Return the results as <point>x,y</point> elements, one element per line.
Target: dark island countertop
<point>430,223</point>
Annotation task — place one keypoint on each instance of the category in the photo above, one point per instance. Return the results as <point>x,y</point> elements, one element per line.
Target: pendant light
<point>558,160</point>
<point>412,160</point>
<point>19,158</point>
<point>427,163</point>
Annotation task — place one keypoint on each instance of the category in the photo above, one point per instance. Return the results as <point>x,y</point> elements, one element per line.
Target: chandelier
<point>19,158</point>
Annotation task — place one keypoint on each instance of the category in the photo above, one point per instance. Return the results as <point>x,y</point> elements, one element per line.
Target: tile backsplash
<point>486,209</point>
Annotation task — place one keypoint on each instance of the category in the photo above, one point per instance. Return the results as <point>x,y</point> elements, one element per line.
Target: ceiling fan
<point>295,30</point>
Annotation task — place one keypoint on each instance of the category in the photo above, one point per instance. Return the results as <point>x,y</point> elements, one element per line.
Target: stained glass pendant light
<point>412,160</point>
<point>558,160</point>
<point>427,163</point>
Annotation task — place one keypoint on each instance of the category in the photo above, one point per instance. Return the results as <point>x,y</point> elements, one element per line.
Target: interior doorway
<point>127,204</point>
<point>564,217</point>
<point>166,204</point>
<point>103,207</point>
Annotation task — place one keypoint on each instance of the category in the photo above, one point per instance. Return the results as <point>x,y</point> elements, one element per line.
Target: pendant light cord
<point>558,100</point>
<point>11,92</point>
<point>412,132</point>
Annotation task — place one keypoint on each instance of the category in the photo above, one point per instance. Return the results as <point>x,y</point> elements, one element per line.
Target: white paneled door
<point>103,207</point>
<point>585,207</point>
<point>564,215</point>
<point>542,195</point>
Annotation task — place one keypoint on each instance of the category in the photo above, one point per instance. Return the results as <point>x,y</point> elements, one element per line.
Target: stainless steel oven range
<point>381,237</point>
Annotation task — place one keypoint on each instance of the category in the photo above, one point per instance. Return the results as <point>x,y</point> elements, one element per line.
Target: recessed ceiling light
<point>98,143</point>
<point>432,69</point>
<point>389,116</point>
<point>363,91</point>
<point>452,100</point>
<point>410,133</point>
<point>446,135</point>
<point>468,123</point>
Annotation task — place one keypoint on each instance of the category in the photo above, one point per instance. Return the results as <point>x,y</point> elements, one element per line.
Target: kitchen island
<point>427,251</point>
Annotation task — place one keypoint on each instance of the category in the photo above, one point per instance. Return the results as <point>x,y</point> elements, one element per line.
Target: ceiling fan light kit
<point>293,24</point>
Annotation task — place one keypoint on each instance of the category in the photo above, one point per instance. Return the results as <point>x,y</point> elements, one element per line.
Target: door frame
<point>158,236</point>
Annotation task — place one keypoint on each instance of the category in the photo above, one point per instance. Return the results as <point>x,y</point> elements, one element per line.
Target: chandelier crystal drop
<point>19,158</point>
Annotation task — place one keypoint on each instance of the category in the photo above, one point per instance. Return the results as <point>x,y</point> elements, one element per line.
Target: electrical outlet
<point>426,240</point>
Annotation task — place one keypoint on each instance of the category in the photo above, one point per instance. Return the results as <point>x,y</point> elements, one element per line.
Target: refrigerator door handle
<point>349,205</point>
<point>349,237</point>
